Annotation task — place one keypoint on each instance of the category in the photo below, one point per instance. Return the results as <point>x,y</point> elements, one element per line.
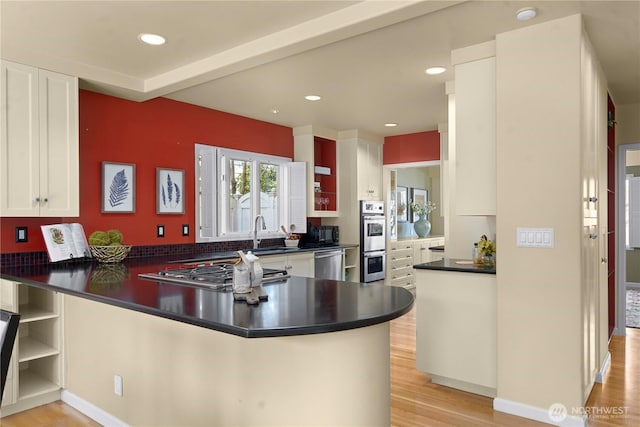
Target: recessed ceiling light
<point>432,71</point>
<point>526,13</point>
<point>153,39</point>
<point>312,98</point>
<point>391,125</point>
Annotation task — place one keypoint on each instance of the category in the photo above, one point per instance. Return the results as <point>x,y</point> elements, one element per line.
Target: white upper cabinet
<point>369,170</point>
<point>39,154</point>
<point>475,131</point>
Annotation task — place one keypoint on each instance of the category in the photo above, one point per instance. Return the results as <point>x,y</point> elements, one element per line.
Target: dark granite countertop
<point>458,265</point>
<point>296,306</point>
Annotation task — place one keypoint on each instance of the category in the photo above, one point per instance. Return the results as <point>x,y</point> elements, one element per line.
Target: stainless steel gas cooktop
<point>217,276</point>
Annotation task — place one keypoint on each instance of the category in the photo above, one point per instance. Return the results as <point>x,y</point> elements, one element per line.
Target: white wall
<point>628,123</point>
<point>541,323</point>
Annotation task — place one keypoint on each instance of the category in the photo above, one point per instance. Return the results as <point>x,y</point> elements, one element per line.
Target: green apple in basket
<point>107,246</point>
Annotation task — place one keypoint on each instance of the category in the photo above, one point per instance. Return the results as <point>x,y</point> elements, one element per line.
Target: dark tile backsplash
<point>178,250</point>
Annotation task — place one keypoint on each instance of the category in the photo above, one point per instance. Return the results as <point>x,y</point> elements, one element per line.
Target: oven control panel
<point>369,207</point>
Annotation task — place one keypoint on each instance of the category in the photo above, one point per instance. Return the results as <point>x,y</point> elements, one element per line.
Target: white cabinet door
<point>20,141</point>
<point>59,145</point>
<point>295,265</point>
<point>369,170</point>
<point>39,145</point>
<point>302,265</point>
<point>422,252</point>
<point>475,137</point>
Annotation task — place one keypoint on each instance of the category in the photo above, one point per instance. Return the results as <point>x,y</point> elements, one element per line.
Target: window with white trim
<point>233,187</point>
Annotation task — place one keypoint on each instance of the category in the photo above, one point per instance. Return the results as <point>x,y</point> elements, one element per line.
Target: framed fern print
<point>170,191</point>
<point>118,187</point>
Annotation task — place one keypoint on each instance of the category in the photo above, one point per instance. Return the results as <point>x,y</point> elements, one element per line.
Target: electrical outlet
<point>160,230</point>
<point>117,385</point>
<point>185,229</point>
<point>21,235</point>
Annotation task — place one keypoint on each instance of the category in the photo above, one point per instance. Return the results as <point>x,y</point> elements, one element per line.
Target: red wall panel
<point>413,147</point>
<point>155,133</point>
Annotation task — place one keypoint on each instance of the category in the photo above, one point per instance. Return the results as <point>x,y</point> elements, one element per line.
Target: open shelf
<point>31,349</point>
<point>30,313</point>
<point>33,384</point>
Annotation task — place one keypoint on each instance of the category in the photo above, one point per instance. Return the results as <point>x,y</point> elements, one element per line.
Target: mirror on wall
<point>423,181</point>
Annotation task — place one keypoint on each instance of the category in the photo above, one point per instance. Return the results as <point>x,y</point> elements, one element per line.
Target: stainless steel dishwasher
<point>328,264</point>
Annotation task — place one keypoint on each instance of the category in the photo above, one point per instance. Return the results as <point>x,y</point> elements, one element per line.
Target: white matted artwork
<point>419,196</point>
<point>170,191</point>
<point>118,187</point>
<point>402,209</point>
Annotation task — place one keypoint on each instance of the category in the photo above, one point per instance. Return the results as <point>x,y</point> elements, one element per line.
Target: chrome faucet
<point>256,242</point>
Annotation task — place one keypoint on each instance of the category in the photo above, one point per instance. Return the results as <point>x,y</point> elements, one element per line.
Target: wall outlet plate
<point>160,230</point>
<point>185,229</point>
<point>21,235</point>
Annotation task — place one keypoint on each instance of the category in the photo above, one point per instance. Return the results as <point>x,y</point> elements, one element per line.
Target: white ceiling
<point>366,59</point>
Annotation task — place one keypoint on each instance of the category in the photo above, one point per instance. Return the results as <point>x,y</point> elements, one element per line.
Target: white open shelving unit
<point>37,376</point>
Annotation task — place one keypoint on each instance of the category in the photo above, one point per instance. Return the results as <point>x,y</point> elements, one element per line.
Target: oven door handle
<point>373,254</point>
<point>373,218</point>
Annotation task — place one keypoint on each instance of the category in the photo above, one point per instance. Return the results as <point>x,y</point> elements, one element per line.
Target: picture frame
<point>169,191</point>
<point>418,195</point>
<point>402,207</point>
<point>118,187</point>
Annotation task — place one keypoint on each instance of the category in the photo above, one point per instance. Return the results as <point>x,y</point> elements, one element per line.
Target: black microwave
<point>321,235</point>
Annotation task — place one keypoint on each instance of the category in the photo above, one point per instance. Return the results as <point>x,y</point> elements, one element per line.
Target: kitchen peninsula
<point>192,356</point>
<point>456,324</point>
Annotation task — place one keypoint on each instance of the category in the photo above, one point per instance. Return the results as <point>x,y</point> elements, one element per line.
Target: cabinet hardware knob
<point>603,260</point>
<point>593,236</point>
<point>593,199</point>
<point>37,199</point>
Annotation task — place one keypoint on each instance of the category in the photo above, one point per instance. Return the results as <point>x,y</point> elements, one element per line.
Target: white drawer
<point>401,272</point>
<point>406,281</point>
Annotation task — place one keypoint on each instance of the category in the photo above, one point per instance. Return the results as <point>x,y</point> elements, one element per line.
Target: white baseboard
<point>91,410</point>
<point>539,414</point>
<point>603,370</point>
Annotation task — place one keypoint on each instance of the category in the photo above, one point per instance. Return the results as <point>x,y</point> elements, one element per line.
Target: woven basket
<point>110,253</point>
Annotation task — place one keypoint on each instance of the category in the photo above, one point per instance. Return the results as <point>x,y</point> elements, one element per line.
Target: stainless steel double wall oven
<point>372,240</point>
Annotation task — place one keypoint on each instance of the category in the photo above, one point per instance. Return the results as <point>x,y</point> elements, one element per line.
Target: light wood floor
<point>416,402</point>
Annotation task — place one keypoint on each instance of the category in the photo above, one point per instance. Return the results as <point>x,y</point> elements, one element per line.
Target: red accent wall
<point>156,133</point>
<point>412,147</point>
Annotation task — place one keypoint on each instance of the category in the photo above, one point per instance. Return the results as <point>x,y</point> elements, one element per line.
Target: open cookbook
<point>65,241</point>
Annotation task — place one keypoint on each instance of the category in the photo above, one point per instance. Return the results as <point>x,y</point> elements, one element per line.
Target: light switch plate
<point>527,237</point>
<point>160,230</point>
<point>185,229</point>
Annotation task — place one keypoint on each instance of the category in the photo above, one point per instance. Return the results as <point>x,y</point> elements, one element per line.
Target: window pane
<point>239,196</point>
<point>269,195</point>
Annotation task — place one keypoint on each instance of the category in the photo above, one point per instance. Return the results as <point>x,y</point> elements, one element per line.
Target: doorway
<point>628,189</point>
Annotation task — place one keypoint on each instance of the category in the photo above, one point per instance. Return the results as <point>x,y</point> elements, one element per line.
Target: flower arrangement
<point>423,209</point>
<point>486,247</point>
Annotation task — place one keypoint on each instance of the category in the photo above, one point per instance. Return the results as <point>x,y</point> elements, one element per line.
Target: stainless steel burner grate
<point>217,276</point>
